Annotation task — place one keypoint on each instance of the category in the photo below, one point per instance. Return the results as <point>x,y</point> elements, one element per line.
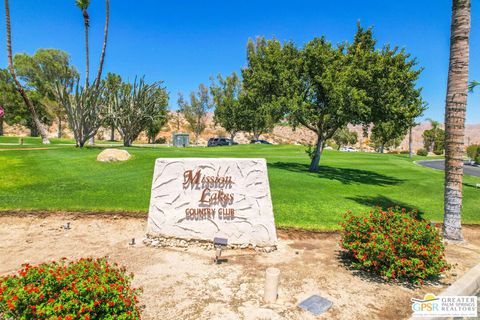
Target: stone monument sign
<point>203,198</point>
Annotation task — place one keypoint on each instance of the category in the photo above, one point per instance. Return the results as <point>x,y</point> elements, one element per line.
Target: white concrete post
<point>272,276</point>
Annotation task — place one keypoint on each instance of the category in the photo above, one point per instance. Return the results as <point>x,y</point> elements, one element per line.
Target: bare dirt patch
<point>185,284</point>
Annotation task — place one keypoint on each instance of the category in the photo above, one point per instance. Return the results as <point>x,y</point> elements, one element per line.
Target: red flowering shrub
<point>394,244</point>
<point>82,289</point>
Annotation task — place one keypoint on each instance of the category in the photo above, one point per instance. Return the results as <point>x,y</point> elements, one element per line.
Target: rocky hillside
<point>282,134</point>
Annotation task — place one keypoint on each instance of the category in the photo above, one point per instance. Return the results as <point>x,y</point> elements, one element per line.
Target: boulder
<point>108,155</point>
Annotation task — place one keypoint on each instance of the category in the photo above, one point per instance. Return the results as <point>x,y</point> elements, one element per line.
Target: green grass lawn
<point>66,178</point>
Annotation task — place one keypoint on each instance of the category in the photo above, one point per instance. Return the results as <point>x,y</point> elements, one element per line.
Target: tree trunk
<point>112,133</point>
<point>25,98</point>
<point>256,135</point>
<point>127,142</point>
<point>91,141</point>
<point>455,108</point>
<point>232,137</point>
<point>33,131</point>
<point>318,154</point>
<point>410,143</point>
<point>86,22</point>
<point>1,126</point>
<point>105,36</point>
<point>382,148</point>
<point>59,129</point>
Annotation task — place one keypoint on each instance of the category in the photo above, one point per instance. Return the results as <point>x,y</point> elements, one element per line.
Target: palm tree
<point>410,139</point>
<point>455,108</point>
<point>105,36</point>
<point>22,92</point>
<point>435,125</point>
<point>83,5</point>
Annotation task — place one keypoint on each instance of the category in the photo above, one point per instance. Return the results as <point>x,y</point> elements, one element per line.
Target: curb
<point>467,285</point>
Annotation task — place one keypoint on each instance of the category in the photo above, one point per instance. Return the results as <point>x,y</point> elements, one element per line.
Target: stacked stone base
<point>155,240</point>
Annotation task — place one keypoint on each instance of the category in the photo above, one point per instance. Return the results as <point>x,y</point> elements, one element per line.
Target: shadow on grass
<point>345,261</point>
<point>471,185</point>
<point>344,175</point>
<point>385,203</point>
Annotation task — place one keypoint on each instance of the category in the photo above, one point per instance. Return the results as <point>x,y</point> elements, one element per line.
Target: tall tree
<point>28,103</point>
<point>344,136</point>
<point>228,110</point>
<point>195,111</point>
<point>83,6</point>
<point>388,134</point>
<point>455,109</point>
<point>433,136</point>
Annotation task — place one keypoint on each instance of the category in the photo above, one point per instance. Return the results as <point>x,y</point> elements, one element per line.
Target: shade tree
<point>40,71</point>
<point>345,136</point>
<point>266,85</point>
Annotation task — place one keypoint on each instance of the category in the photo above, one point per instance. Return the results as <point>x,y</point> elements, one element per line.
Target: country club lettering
<point>212,193</point>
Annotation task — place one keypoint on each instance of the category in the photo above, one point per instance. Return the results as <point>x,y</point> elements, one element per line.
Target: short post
<point>272,276</point>
<point>20,141</point>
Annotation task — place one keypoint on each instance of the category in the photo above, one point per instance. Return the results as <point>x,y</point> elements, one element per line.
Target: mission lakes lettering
<point>214,192</point>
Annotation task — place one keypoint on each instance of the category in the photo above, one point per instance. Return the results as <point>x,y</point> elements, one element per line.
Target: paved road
<point>440,165</point>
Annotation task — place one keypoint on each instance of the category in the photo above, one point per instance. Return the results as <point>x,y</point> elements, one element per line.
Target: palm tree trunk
<point>25,98</point>
<point>105,36</point>
<point>86,22</point>
<point>455,108</point>
<point>59,129</point>
<point>1,126</point>
<point>112,133</point>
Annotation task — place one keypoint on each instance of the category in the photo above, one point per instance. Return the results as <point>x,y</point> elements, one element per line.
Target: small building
<point>180,139</point>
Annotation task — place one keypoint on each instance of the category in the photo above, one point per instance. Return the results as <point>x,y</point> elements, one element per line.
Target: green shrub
<point>438,152</point>
<point>404,152</point>
<point>473,151</point>
<point>422,152</point>
<point>82,289</point>
<point>477,159</point>
<point>393,244</point>
<point>161,140</point>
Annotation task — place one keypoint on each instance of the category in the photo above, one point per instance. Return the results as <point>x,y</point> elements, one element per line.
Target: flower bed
<point>394,244</point>
<point>82,289</point>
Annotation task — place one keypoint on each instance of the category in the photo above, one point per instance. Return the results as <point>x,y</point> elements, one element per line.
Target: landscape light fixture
<point>132,243</point>
<point>67,226</point>
<point>219,244</point>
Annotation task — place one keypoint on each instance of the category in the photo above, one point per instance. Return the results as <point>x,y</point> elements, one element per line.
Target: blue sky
<point>183,43</point>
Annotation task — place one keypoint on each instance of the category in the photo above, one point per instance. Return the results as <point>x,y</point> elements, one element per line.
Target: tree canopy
<point>229,113</point>
<point>195,111</point>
